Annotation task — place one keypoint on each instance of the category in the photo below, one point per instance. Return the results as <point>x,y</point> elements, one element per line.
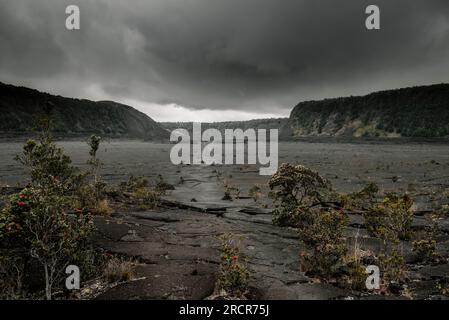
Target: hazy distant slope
<point>19,107</point>
<point>221,126</point>
<point>411,112</point>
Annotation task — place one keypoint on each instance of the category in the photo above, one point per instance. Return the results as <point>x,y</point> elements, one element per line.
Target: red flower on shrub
<point>21,203</point>
<point>235,258</point>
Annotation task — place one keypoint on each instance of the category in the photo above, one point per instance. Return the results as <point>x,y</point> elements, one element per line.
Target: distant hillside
<point>221,126</point>
<point>20,108</point>
<point>411,112</point>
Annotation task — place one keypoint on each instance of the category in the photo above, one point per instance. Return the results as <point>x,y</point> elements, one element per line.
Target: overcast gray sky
<point>211,60</point>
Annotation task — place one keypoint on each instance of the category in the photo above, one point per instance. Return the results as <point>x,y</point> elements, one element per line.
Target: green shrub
<point>425,249</point>
<point>134,184</point>
<point>233,275</point>
<point>296,186</point>
<point>12,268</point>
<point>363,199</point>
<point>354,275</point>
<point>148,194</point>
<point>13,217</point>
<point>321,232</point>
<point>231,191</point>
<point>391,219</point>
<point>49,166</point>
<point>392,263</point>
<point>38,220</point>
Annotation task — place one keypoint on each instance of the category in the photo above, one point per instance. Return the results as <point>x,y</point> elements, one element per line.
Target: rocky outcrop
<point>178,247</point>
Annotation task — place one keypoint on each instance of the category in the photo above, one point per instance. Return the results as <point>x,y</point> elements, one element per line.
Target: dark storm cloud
<point>253,55</point>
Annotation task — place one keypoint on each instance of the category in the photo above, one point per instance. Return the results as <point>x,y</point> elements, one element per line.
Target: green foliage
<point>392,262</point>
<point>354,275</point>
<point>391,221</point>
<point>410,112</point>
<point>321,232</point>
<point>360,200</point>
<point>296,186</point>
<point>425,245</point>
<point>38,220</point>
<point>392,218</point>
<point>91,194</point>
<point>233,275</point>
<point>12,267</point>
<point>55,238</point>
<point>148,194</point>
<point>425,249</point>
<point>73,116</point>
<point>12,218</point>
<point>134,184</point>
<point>94,162</point>
<point>231,191</point>
<point>49,166</point>
<point>94,144</point>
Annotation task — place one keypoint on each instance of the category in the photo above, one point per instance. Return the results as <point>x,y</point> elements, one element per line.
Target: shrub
<point>363,199</point>
<point>102,208</point>
<point>392,218</point>
<point>161,186</point>
<point>46,233</point>
<point>38,221</point>
<point>12,217</point>
<point>321,231</point>
<point>91,195</point>
<point>353,272</point>
<point>118,270</point>
<point>425,244</point>
<point>296,186</point>
<point>231,192</point>
<point>233,275</point>
<point>49,166</point>
<point>148,194</point>
<point>425,249</point>
<point>134,184</point>
<point>255,193</point>
<point>393,264</point>
<point>12,267</point>
<point>149,198</point>
<point>353,276</point>
<point>55,238</point>
<point>391,221</point>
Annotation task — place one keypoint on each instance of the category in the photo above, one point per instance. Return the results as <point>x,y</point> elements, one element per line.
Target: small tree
<point>296,186</point>
<point>53,237</point>
<point>94,162</point>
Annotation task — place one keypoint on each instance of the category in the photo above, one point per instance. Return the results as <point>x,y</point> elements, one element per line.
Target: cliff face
<point>222,126</point>
<point>20,108</point>
<point>411,112</point>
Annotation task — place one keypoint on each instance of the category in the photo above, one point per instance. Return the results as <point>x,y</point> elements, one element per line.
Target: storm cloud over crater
<point>236,59</point>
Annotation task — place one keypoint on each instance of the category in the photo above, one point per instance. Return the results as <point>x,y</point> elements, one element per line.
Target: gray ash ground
<point>178,247</point>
